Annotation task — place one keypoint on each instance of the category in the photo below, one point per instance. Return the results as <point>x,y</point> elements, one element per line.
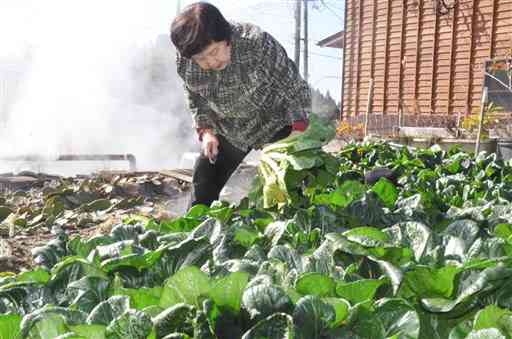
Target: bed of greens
<point>312,252</point>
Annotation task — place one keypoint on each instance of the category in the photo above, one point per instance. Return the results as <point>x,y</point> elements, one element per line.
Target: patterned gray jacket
<point>257,94</point>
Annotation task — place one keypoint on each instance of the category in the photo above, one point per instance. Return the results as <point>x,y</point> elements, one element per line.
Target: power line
<point>322,55</point>
<point>332,10</point>
<point>326,56</point>
<point>334,5</point>
<point>290,43</point>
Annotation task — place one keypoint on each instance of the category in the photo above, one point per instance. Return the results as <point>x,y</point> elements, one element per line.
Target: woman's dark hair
<point>197,26</point>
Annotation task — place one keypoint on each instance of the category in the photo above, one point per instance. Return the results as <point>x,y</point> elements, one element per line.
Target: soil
<point>163,198</point>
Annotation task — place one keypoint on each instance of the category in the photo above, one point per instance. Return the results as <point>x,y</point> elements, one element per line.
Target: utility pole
<point>297,32</point>
<point>178,7</point>
<point>306,42</point>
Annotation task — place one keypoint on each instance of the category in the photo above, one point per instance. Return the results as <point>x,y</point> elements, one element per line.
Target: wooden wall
<point>422,63</point>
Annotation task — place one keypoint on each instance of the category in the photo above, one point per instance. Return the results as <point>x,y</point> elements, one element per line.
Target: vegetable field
<point>312,252</point>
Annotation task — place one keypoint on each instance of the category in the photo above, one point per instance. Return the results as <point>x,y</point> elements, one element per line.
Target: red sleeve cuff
<point>300,125</point>
<point>200,132</point>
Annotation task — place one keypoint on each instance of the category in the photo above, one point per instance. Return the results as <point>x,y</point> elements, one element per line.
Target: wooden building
<point>426,57</point>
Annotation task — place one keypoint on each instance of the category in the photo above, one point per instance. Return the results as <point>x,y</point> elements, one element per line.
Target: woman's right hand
<point>210,145</point>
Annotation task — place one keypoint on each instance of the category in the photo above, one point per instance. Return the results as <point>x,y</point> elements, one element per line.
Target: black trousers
<point>209,179</point>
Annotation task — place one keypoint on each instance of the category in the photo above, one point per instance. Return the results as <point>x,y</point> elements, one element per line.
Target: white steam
<point>90,77</point>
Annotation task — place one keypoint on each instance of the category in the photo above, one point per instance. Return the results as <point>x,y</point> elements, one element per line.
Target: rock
<point>374,175</point>
<point>17,183</point>
<point>5,248</point>
<point>8,264</point>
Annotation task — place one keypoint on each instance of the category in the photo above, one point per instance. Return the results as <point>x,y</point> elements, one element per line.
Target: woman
<point>242,90</point>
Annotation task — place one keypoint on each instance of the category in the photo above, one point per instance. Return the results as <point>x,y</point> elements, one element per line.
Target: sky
<point>78,95</point>
<point>32,20</point>
<point>277,18</point>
